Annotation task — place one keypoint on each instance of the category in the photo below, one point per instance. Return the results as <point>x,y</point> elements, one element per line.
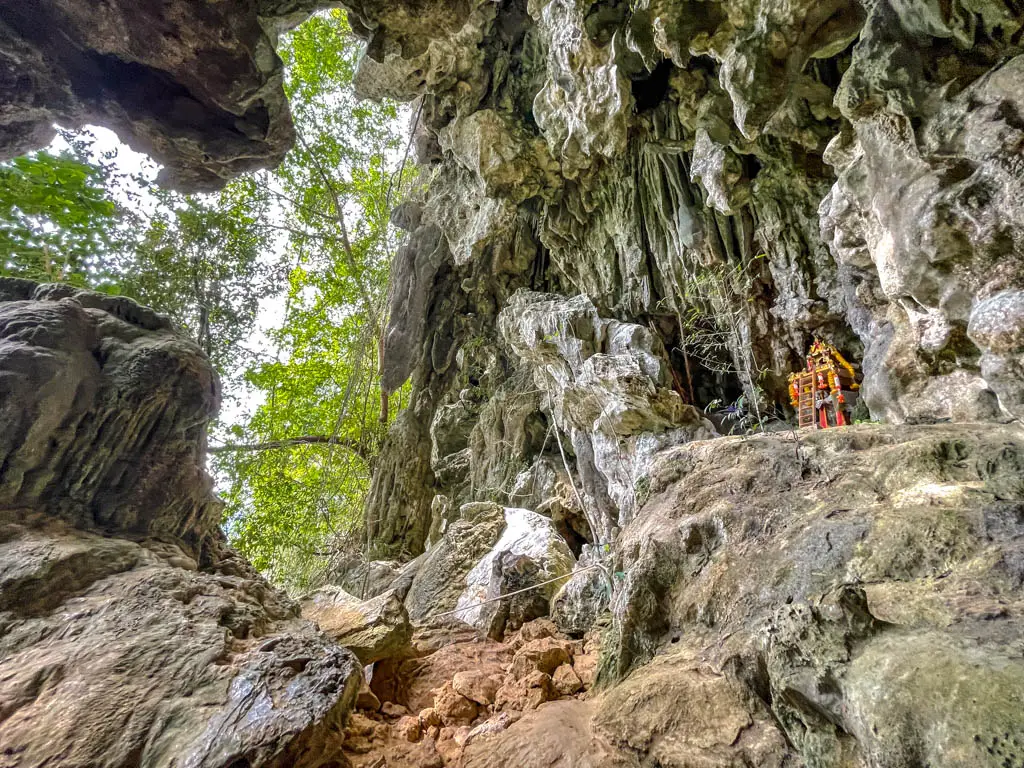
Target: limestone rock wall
<point>628,210</point>
<point>736,178</point>
<point>863,584</point>
<point>130,634</point>
<point>840,598</point>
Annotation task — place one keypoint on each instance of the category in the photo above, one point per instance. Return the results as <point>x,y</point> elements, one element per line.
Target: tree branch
<point>271,445</point>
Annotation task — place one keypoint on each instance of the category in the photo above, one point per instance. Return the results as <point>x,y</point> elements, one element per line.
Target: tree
<point>298,468</point>
<point>57,221</point>
<point>207,261</point>
<point>202,260</point>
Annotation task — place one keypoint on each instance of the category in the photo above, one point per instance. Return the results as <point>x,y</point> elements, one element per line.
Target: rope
<point>510,594</point>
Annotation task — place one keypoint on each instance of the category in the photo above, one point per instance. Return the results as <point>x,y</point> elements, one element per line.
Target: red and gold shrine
<point>823,394</point>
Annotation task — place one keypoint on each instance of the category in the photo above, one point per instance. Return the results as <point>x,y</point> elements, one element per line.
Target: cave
<point>570,547</point>
<point>650,89</point>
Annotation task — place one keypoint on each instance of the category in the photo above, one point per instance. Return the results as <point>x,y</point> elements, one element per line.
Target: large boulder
<point>490,551</point>
<point>372,629</point>
<point>365,579</point>
<point>119,652</point>
<point>104,409</point>
<point>441,576</point>
<point>862,584</point>
<point>132,635</point>
<point>579,602</point>
<point>529,555</point>
<point>677,713</point>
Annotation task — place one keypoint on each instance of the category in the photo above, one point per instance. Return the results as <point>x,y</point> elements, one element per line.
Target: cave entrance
<point>704,375</point>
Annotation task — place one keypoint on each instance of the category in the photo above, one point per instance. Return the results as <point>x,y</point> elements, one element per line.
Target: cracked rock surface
<point>130,634</point>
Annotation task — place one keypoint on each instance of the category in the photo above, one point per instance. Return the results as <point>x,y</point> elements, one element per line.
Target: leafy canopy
<point>56,220</point>
<point>288,504</point>
<point>306,246</point>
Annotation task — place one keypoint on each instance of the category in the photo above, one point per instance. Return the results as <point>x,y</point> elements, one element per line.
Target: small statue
<point>823,393</point>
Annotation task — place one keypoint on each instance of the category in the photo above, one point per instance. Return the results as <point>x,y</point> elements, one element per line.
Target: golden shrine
<point>821,393</point>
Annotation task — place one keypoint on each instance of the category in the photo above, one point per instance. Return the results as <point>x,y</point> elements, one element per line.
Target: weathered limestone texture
<point>863,584</point>
<point>372,629</point>
<point>631,214</point>
<point>732,178</point>
<point>633,210</point>
<point>129,633</point>
<point>197,85</point>
<point>842,599</point>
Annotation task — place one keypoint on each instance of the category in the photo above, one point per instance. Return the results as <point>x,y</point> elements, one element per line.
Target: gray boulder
<point>131,634</point>
<point>585,596</point>
<point>366,579</point>
<point>441,575</point>
<point>373,629</point>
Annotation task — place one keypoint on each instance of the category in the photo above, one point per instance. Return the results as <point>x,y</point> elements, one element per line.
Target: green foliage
<point>309,243</point>
<point>743,414</point>
<point>206,262</point>
<point>289,504</point>
<point>57,222</point>
<point>713,330</point>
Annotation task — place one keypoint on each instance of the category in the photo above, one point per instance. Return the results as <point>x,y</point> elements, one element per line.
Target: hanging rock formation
<point>129,633</point>
<point>196,85</point>
<point>734,178</point>
<point>632,211</point>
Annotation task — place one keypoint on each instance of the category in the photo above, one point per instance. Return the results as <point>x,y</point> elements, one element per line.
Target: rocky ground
<point>848,597</point>
<point>428,708</point>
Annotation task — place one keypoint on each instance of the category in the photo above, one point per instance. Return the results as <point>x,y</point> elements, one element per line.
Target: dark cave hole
<point>649,91</point>
<point>706,377</point>
<point>830,71</point>
<point>709,376</point>
<point>703,63</point>
<point>569,529</point>
<point>603,19</point>
<point>514,20</point>
<point>751,166</point>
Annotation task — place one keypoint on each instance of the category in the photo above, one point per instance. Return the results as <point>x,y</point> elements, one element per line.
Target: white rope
<point>510,594</point>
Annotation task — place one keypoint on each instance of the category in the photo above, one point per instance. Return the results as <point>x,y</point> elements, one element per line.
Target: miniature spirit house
<point>824,392</point>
